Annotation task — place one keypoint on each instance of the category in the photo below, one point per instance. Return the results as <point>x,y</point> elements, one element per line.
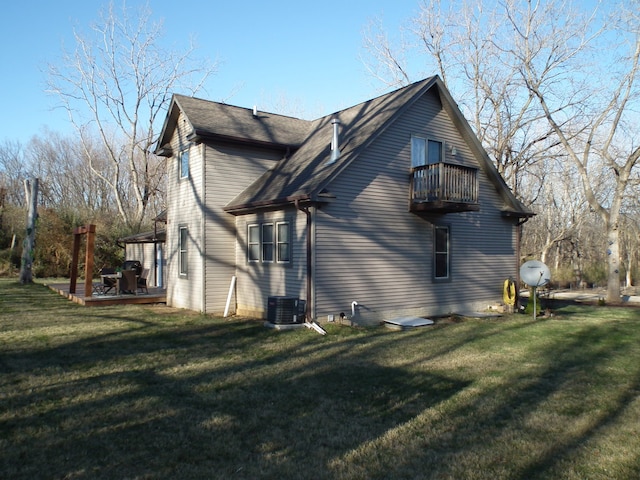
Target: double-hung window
<point>425,151</point>
<point>269,242</point>
<point>283,242</point>
<point>442,253</point>
<point>253,243</point>
<point>182,250</point>
<point>183,163</point>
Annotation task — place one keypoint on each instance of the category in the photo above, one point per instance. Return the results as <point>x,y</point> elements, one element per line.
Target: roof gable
<point>212,120</point>
<point>306,173</point>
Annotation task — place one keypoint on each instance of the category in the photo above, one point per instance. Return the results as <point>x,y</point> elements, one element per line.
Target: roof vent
<point>255,110</point>
<point>335,141</point>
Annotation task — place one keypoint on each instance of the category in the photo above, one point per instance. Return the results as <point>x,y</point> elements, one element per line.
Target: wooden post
<point>88,264</point>
<point>74,261</point>
<point>90,232</point>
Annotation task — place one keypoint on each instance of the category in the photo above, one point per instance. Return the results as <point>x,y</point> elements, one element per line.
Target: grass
<point>152,392</point>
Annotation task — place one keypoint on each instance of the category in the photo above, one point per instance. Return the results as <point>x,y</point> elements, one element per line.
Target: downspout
<point>155,250</point>
<point>203,230</point>
<point>307,212</point>
<point>519,225</point>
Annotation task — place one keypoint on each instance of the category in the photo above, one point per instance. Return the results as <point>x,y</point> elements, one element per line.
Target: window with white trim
<point>283,242</point>
<point>441,252</point>
<point>253,243</point>
<point>425,151</point>
<point>269,242</point>
<point>183,163</point>
<point>182,250</point>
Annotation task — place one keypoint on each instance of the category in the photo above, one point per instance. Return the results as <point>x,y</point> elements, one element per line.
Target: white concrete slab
<point>408,322</point>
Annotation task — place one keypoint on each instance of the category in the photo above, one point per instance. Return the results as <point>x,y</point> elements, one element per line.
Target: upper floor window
<point>183,161</point>
<point>426,152</point>
<point>269,242</point>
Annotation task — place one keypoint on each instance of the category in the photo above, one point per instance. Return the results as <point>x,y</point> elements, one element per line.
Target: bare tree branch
<point>115,85</point>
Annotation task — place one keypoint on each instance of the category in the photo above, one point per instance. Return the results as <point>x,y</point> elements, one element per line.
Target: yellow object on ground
<point>509,292</point>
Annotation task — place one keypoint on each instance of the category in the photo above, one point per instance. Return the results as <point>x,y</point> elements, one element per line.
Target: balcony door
<point>425,152</point>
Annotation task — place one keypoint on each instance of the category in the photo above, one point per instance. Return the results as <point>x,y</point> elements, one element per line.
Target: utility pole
<point>28,247</point>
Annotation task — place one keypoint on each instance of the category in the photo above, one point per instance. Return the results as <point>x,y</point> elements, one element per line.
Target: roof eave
<point>278,204</point>
<point>203,136</point>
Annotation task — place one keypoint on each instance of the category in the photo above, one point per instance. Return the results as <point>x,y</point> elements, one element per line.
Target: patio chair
<point>128,282</point>
<point>142,280</point>
<point>107,284</point>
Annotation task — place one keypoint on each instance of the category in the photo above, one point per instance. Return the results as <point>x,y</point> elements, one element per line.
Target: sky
<point>297,52</point>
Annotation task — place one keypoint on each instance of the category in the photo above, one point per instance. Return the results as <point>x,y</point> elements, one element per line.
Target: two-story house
<point>387,208</point>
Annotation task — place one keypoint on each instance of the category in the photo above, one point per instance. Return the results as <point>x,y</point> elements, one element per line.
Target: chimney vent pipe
<point>335,141</point>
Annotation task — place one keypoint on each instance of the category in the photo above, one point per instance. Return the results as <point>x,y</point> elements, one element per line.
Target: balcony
<point>444,188</point>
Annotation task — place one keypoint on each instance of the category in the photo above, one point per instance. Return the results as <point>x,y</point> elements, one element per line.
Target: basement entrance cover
<point>402,323</point>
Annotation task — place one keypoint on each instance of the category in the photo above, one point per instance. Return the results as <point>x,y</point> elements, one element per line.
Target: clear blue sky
<point>297,51</point>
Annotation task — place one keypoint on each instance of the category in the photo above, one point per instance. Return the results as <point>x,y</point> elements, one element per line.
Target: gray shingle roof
<point>307,172</point>
<point>218,120</point>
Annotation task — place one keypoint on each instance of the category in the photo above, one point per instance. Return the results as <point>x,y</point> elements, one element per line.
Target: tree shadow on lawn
<point>547,425</point>
<point>190,403</point>
<point>235,400</point>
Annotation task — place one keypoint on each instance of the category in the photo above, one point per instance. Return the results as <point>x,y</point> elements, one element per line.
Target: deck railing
<point>444,182</point>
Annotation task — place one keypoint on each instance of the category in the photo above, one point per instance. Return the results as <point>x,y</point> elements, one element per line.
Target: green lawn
<point>152,392</point>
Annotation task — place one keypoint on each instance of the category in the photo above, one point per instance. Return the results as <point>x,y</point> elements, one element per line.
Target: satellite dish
<point>535,273</point>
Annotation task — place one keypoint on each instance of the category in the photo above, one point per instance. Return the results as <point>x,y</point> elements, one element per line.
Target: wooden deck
<point>155,295</point>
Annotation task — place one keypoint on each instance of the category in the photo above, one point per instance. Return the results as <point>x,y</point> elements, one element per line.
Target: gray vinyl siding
<point>258,281</point>
<point>145,253</point>
<point>183,210</point>
<point>371,250</point>
<point>229,170</point>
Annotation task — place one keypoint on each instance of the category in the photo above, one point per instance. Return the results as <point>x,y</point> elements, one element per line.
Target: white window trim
<point>436,253</point>
<point>250,243</point>
<point>274,241</point>
<point>425,149</point>
<point>183,252</point>
<point>267,241</point>
<point>181,174</point>
<point>278,242</point>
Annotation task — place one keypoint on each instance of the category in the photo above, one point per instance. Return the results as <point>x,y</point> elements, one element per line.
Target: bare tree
<point>592,124</point>
<point>524,70</point>
<point>28,248</point>
<point>13,172</point>
<point>562,210</point>
<point>66,181</point>
<point>115,85</point>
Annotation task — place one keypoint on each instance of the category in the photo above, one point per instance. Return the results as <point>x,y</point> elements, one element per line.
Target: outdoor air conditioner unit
<point>285,310</point>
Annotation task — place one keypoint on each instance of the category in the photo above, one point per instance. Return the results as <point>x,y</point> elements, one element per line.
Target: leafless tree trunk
<point>26,268</point>
<point>593,142</point>
<point>115,85</point>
